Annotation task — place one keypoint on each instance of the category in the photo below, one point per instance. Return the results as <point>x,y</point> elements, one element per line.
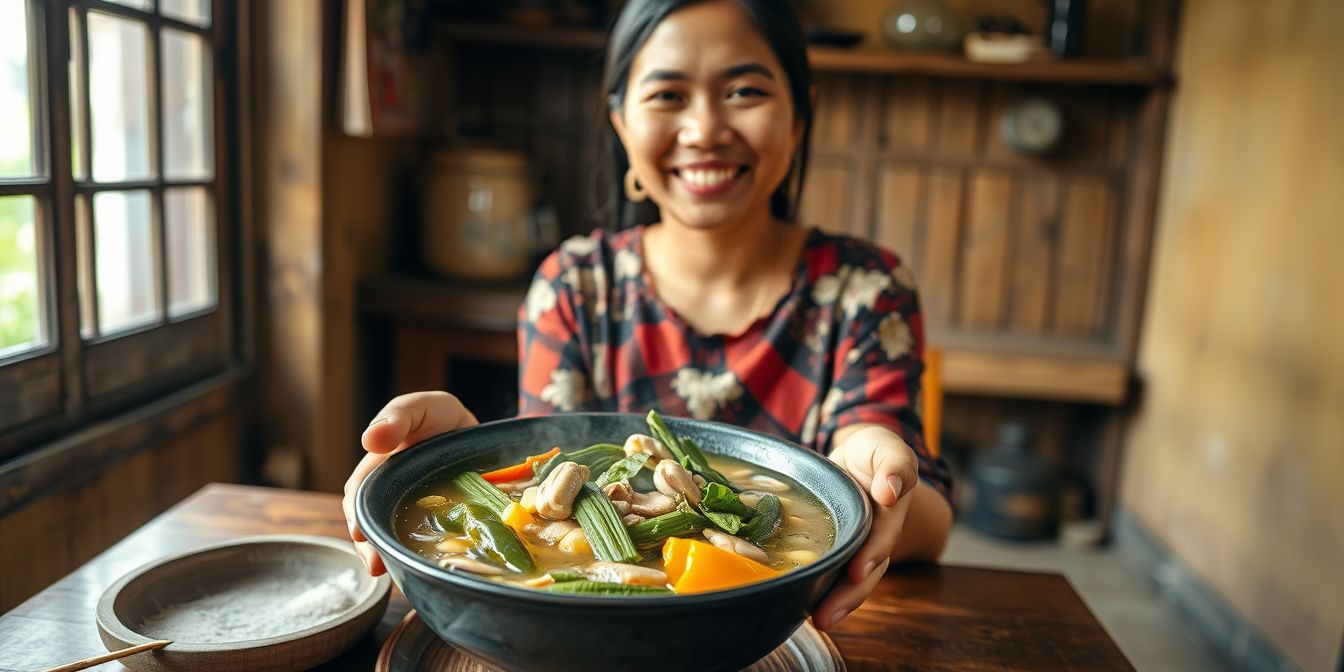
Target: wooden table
<point>920,618</point>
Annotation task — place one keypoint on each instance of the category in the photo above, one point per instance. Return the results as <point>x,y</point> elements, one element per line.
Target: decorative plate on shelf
<point>413,647</point>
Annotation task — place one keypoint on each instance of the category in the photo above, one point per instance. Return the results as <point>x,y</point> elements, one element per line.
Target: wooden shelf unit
<point>1100,72</point>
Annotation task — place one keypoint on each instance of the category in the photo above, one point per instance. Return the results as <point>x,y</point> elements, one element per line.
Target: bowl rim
<point>112,624</point>
<point>385,542</point>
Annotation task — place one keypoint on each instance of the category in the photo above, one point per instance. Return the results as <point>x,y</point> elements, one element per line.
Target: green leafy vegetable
<point>765,522</point>
<point>623,470</point>
<point>717,497</point>
<point>724,521</point>
<point>491,538</point>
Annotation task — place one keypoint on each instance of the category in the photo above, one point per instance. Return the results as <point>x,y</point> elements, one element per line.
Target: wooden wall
<point>1235,457</point>
<point>50,537</point>
<point>1001,243</point>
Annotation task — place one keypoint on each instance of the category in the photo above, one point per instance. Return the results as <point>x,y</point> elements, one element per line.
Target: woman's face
<point>708,119</point>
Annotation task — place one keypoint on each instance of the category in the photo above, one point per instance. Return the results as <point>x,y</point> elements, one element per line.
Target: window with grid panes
<point>114,264</point>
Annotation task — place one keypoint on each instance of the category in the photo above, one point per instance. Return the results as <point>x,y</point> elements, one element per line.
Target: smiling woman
<point>723,307</point>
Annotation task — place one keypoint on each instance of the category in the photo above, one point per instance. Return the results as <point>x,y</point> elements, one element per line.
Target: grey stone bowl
<point>516,628</point>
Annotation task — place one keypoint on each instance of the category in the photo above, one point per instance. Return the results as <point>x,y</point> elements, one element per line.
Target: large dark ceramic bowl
<point>517,628</point>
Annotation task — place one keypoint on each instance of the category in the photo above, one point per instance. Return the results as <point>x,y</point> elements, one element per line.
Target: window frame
<point>73,382</point>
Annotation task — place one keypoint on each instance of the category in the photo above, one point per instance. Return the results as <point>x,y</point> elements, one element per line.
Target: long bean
<point>603,527</point>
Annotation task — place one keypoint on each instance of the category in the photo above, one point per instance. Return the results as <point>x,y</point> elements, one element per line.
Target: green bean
<point>601,588</point>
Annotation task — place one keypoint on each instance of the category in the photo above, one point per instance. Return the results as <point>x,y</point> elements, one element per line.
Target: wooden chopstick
<point>114,655</point>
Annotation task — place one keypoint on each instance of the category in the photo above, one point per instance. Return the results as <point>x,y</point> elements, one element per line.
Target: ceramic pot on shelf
<point>478,215</point>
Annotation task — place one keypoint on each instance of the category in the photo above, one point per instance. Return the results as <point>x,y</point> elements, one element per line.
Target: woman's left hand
<point>888,470</point>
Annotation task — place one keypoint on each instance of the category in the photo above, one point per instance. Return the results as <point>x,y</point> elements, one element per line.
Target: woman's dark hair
<point>777,23</point>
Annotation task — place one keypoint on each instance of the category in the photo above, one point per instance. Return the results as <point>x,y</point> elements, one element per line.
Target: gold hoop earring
<point>633,190</point>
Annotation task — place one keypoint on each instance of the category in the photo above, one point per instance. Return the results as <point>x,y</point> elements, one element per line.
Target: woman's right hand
<point>403,422</point>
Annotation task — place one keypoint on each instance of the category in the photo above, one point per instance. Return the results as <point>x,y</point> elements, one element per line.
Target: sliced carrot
<point>519,471</point>
<point>695,567</point>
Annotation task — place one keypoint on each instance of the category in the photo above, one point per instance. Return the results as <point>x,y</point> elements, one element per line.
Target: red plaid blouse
<point>844,346</point>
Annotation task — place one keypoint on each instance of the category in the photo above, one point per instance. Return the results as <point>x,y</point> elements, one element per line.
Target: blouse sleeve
<point>553,373</point>
<point>878,363</point>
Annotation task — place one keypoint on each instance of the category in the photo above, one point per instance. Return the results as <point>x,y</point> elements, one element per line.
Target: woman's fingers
<point>370,558</point>
<point>882,537</point>
<point>362,470</point>
<point>887,468</point>
<point>411,418</point>
<point>845,597</point>
<point>403,422</point>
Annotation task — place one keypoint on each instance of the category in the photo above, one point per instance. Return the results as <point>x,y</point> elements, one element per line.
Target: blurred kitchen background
<point>230,231</point>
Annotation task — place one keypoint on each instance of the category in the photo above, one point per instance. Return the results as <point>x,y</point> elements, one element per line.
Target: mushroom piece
<point>620,491</point>
<point>465,564</point>
<point>640,443</point>
<point>632,519</point>
<point>650,504</point>
<point>552,532</point>
<point>673,480</point>
<point>555,497</point>
<point>622,507</point>
<point>736,545</point>
<point>769,483</point>
<point>630,575</point>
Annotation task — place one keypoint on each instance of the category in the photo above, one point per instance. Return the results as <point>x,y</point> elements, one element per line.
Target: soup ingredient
<point>517,517</point>
<point>649,504</point>
<point>631,575</point>
<point>555,497</point>
<point>642,444</point>
<point>606,533</point>
<point>567,575</point>
<point>631,518</point>
<point>465,564</point>
<point>695,566</point>
<point>598,458</point>
<point>768,483</point>
<point>453,545</point>
<point>802,556</point>
<point>492,539</point>
<point>673,480</point>
<point>529,499</point>
<point>256,608</point>
<point>623,469</point>
<point>767,519</point>
<point>736,545</point>
<point>432,502</point>
<point>478,490</point>
<point>552,531</point>
<point>685,450</point>
<point>575,542</point>
<point>719,498</point>
<point>519,471</point>
<point>678,523</point>
<point>600,588</point>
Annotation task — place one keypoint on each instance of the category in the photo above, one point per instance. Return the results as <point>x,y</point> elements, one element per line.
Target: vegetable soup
<point>652,516</point>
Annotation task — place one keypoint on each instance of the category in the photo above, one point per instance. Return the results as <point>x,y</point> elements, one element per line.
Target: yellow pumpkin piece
<point>694,566</point>
<point>517,517</point>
